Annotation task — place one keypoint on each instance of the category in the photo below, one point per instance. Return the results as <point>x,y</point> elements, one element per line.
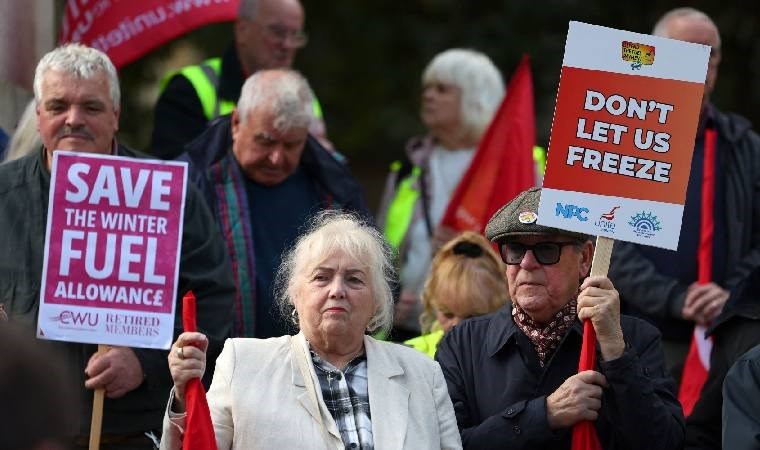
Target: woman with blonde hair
<point>331,385</point>
<point>467,279</point>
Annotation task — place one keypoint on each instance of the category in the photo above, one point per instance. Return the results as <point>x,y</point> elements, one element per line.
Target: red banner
<point>126,30</point>
<point>503,164</point>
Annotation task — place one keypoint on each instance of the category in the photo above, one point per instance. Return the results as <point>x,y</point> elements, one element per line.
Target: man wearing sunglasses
<point>512,375</point>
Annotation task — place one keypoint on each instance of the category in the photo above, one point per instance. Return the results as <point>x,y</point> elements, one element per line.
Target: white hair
<point>82,62</point>
<point>480,82</point>
<point>332,231</point>
<point>661,28</point>
<point>284,91</point>
<point>26,138</point>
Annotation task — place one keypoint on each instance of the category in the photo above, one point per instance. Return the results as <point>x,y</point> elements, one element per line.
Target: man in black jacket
<point>512,375</point>
<point>77,94</point>
<point>264,177</point>
<point>660,285</point>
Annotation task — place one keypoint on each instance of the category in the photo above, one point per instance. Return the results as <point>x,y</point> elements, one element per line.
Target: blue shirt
<point>279,215</point>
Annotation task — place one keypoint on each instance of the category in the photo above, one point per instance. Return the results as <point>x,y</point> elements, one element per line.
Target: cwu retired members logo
<point>645,224</point>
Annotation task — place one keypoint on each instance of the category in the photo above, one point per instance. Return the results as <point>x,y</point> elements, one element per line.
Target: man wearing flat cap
<point>512,375</point>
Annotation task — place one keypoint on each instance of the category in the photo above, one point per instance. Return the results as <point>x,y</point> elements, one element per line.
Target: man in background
<point>264,176</point>
<point>268,33</point>
<point>661,285</point>
<point>77,96</point>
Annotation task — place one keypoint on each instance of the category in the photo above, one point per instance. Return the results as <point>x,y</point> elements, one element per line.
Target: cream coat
<point>258,400</point>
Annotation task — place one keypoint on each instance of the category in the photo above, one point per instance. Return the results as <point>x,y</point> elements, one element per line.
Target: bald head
<point>692,25</point>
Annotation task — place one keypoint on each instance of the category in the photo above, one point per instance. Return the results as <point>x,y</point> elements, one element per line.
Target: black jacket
<point>204,268</point>
<point>734,332</point>
<point>647,292</point>
<point>741,415</point>
<point>179,118</point>
<point>214,169</point>
<point>334,182</point>
<point>499,389</point>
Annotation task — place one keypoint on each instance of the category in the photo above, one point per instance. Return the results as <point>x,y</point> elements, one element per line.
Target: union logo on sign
<point>645,224</point>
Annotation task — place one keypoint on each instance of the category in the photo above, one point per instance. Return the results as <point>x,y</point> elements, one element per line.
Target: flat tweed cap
<point>519,216</point>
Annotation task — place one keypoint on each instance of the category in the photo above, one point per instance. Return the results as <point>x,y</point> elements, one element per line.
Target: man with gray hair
<point>263,176</point>
<point>268,33</point>
<point>661,285</point>
<point>512,375</point>
<point>77,106</point>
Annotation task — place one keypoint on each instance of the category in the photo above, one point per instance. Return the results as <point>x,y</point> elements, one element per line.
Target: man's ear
<point>235,121</point>
<point>587,255</point>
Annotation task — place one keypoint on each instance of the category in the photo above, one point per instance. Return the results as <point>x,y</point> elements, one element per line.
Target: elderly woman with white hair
<point>461,90</point>
<point>331,385</point>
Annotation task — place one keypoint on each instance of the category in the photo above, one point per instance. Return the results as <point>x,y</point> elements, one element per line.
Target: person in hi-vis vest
<point>268,33</point>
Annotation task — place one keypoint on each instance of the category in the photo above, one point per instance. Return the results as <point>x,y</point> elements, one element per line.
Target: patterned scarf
<point>545,338</point>
<point>234,219</point>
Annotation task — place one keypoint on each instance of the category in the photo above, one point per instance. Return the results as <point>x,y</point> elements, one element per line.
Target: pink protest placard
<point>112,250</point>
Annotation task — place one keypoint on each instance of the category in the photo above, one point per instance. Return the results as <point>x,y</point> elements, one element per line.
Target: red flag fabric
<point>199,431</point>
<point>584,433</point>
<point>126,30</point>
<point>697,361</point>
<point>502,166</point>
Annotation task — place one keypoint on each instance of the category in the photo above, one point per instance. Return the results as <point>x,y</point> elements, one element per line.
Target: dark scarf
<point>545,338</point>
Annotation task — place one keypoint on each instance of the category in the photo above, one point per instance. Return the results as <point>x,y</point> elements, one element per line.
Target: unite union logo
<point>610,215</point>
<point>606,222</point>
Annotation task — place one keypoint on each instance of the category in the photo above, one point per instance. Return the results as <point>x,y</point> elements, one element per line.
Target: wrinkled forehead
<point>695,30</point>
<point>287,12</point>
<point>328,253</point>
<point>63,84</point>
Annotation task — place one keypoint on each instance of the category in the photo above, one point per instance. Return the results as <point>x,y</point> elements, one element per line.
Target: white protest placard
<point>623,134</point>
<point>112,249</point>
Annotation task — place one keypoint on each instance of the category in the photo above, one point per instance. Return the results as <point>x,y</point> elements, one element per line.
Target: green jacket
<point>204,268</point>
<point>427,343</point>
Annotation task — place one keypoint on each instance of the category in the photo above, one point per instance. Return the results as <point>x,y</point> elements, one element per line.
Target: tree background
<point>364,60</point>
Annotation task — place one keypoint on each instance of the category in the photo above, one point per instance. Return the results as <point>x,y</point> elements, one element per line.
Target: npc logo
<point>571,211</point>
<point>645,224</point>
<point>637,54</point>
<point>606,222</point>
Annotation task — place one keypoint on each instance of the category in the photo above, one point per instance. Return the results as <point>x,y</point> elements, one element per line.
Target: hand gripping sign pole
<point>96,423</point>
<point>584,435</point>
<point>620,150</point>
<point>112,247</point>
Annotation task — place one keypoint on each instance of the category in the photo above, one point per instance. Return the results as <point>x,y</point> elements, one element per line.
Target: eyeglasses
<point>281,34</point>
<point>546,253</point>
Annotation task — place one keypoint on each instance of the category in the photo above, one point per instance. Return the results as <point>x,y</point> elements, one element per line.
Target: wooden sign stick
<point>97,409</point>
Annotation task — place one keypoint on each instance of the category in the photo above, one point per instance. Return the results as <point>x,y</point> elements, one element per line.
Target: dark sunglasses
<point>546,253</point>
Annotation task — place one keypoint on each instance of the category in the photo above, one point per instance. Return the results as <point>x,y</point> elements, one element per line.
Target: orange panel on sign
<point>623,135</point>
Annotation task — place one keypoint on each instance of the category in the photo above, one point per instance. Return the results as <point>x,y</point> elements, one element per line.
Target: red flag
<point>584,433</point>
<point>199,432</point>
<point>126,30</point>
<point>698,359</point>
<point>503,163</point>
